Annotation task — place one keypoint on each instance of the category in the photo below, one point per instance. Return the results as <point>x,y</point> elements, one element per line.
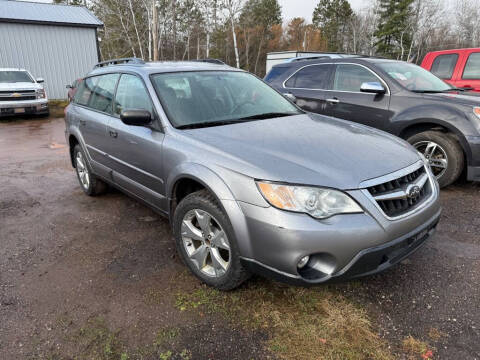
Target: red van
<point>460,68</point>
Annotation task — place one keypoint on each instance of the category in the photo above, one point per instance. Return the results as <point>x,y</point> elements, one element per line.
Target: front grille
<point>403,194</point>
<point>17,95</point>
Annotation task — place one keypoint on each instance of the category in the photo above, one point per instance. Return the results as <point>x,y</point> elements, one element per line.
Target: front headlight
<point>476,111</point>
<point>41,94</point>
<point>320,203</point>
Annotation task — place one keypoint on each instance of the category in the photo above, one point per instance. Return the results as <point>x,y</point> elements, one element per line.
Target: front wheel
<point>443,153</point>
<point>206,242</point>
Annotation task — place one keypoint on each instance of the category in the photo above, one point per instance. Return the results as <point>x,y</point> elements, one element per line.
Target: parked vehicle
<point>21,94</point>
<point>460,67</point>
<point>72,89</point>
<point>441,122</point>
<point>250,182</point>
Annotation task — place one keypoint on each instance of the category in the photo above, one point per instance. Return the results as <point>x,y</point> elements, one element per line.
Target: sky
<point>304,8</point>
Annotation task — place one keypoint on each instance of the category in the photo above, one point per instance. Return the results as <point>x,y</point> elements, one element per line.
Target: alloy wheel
<point>82,170</point>
<point>205,243</point>
<point>436,156</point>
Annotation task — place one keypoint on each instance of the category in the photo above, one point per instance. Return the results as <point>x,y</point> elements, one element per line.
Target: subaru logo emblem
<point>413,191</point>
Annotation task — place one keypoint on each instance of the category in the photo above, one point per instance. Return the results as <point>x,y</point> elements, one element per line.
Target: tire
<point>204,204</point>
<point>94,186</point>
<point>448,145</point>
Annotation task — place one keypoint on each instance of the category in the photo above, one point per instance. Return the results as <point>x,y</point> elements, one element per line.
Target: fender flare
<point>213,183</point>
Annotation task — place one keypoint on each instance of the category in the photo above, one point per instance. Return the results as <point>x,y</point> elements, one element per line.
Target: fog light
<point>303,261</point>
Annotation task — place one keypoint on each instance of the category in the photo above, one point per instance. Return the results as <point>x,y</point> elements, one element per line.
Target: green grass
<point>315,323</point>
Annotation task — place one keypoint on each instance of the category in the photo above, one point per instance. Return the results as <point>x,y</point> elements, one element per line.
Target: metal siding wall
<point>59,54</point>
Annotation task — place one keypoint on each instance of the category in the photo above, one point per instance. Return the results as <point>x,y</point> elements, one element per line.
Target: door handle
<point>83,122</point>
<point>332,101</point>
<point>113,134</point>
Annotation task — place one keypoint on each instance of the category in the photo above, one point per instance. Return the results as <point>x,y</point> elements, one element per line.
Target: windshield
<point>414,77</point>
<point>211,98</point>
<point>14,77</point>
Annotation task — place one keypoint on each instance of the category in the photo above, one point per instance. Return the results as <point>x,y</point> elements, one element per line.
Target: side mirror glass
<point>372,87</point>
<point>136,117</point>
<point>40,80</point>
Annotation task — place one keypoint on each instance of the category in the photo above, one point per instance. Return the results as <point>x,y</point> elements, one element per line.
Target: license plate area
<point>19,111</point>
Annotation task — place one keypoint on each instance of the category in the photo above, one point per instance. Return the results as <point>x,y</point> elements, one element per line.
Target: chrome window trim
<point>395,175</point>
<point>343,91</point>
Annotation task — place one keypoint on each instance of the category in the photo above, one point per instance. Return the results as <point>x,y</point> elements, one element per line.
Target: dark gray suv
<point>442,122</point>
<point>249,181</point>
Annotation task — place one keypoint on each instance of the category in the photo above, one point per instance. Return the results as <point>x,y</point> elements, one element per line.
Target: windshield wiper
<point>236,121</point>
<point>436,91</point>
<point>269,115</point>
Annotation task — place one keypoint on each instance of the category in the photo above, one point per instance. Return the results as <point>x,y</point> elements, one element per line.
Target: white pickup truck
<point>20,93</point>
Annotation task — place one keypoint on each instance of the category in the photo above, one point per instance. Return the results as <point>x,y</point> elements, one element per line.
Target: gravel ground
<point>68,261</point>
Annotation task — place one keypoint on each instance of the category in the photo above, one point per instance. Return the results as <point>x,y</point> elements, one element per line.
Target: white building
<point>56,42</point>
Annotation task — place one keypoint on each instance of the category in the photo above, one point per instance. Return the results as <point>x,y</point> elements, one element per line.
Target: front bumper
<point>343,246</point>
<point>473,170</point>
<point>10,108</point>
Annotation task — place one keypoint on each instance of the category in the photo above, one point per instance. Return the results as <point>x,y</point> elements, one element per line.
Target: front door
<point>135,152</point>
<point>470,76</point>
<point>346,101</point>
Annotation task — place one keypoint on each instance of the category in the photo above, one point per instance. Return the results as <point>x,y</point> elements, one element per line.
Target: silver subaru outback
<point>250,183</point>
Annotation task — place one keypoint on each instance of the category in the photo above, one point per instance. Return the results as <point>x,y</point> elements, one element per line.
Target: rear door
<point>308,85</point>
<point>135,152</point>
<point>93,107</point>
<point>444,66</point>
<point>470,76</point>
<point>346,101</point>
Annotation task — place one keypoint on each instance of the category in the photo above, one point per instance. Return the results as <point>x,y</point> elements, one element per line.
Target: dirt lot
<point>97,278</point>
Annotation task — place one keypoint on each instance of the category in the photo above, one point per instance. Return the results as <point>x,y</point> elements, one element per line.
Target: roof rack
<point>211,61</point>
<point>130,60</point>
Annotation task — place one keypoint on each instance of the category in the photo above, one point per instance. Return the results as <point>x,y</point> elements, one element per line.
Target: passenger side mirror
<point>136,117</point>
<point>372,87</point>
<point>40,80</point>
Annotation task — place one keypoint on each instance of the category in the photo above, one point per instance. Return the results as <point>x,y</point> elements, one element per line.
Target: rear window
<point>96,92</point>
<point>14,77</point>
<point>275,74</point>
<point>472,67</point>
<point>310,77</point>
<point>444,65</point>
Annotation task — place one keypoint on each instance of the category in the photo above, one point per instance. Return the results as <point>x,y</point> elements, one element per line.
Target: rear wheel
<point>206,242</point>
<point>89,183</point>
<point>443,153</point>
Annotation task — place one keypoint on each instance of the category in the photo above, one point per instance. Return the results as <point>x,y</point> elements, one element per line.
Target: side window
<point>444,65</point>
<point>350,77</point>
<point>131,94</point>
<point>472,67</point>
<point>85,90</point>
<point>310,77</point>
<point>102,95</point>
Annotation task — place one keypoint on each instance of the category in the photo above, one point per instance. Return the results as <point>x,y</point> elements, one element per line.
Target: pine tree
<point>394,32</point>
<point>333,17</point>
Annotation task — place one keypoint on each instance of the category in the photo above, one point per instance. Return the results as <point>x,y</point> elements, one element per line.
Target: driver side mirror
<point>136,117</point>
<point>373,88</point>
<point>40,80</point>
<point>291,97</point>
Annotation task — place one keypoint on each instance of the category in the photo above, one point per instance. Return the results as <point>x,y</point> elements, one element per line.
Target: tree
<point>334,18</point>
<point>395,30</point>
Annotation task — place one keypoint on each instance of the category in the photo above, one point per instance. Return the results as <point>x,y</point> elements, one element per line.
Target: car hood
<point>19,86</point>
<point>304,149</point>
<point>469,98</point>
